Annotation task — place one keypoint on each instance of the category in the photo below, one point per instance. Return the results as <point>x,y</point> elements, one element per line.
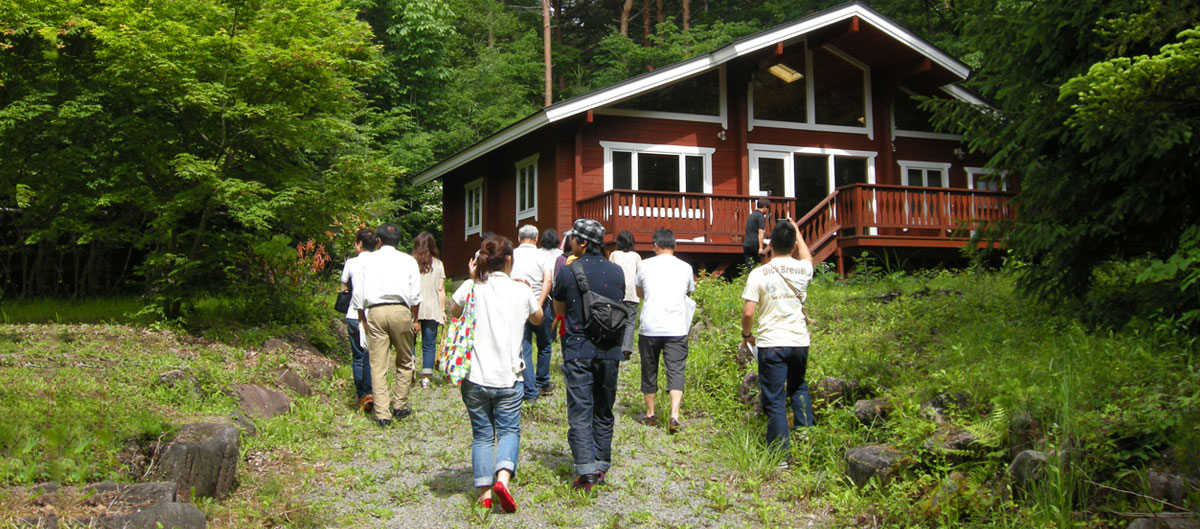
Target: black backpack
<point>603,317</point>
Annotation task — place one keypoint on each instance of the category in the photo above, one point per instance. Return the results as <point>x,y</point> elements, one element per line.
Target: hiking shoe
<point>600,479</point>
<point>546,389</point>
<point>401,414</point>
<point>507,503</point>
<point>674,426</point>
<point>366,404</point>
<point>585,482</point>
<point>383,423</point>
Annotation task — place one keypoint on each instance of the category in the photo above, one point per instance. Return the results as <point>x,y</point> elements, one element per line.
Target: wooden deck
<point>854,216</point>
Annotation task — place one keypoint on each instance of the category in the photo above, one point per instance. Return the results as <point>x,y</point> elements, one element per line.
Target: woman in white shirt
<point>433,300</point>
<point>365,241</point>
<point>628,260</point>
<point>493,389</point>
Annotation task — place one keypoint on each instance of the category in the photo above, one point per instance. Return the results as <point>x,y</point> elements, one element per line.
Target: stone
<point>164,515</point>
<point>261,402</point>
<point>179,378</point>
<point>748,390</point>
<point>337,326</point>
<point>956,443</point>
<point>275,344</point>
<point>744,356</point>
<point>1027,469</point>
<point>939,407</point>
<point>835,390</point>
<point>244,424</point>
<point>872,411</point>
<point>1165,487</point>
<point>289,379</point>
<point>314,367</point>
<point>869,461</point>
<point>133,495</point>
<point>202,460</point>
<point>1022,432</point>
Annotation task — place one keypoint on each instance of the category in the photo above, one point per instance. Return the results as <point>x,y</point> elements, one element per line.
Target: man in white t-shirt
<point>533,267</point>
<point>777,291</point>
<point>664,282</point>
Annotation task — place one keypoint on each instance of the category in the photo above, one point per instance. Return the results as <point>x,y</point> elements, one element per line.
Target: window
<point>925,174</point>
<point>473,196</point>
<point>809,174</point>
<point>699,95</point>
<point>812,89</point>
<point>986,179</point>
<point>910,121</point>
<point>640,167</point>
<point>527,188</point>
<point>921,208</point>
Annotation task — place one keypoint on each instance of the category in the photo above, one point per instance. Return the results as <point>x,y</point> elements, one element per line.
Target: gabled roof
<point>663,76</point>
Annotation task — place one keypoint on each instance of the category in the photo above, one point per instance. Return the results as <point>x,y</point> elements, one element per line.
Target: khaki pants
<point>390,325</point>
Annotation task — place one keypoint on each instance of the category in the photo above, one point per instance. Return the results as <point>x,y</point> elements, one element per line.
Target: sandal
<point>649,420</point>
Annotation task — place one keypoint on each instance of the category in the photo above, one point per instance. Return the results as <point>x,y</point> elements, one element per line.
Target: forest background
<point>227,149</point>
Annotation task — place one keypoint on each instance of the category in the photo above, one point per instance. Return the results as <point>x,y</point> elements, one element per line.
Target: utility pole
<point>546,48</point>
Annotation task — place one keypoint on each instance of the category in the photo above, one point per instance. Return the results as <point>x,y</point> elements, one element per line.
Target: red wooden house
<point>818,114</point>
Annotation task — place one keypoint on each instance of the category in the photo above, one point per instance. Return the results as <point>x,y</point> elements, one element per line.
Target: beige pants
<point>390,325</point>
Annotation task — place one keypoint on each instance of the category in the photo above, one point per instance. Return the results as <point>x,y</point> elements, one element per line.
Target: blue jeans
<point>496,427</point>
<point>540,376</point>
<point>429,331</point>
<point>591,392</point>
<point>781,374</point>
<point>359,364</point>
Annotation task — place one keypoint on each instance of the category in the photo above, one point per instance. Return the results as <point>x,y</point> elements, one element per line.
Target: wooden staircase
<point>820,226</point>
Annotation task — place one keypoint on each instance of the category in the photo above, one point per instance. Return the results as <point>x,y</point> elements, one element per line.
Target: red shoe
<point>486,503</point>
<point>507,504</point>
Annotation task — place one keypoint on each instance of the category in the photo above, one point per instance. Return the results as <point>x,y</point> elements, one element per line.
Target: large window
<point>809,174</point>
<point>812,89</point>
<point>699,98</point>
<point>473,194</point>
<point>909,120</point>
<point>644,167</point>
<point>527,188</point>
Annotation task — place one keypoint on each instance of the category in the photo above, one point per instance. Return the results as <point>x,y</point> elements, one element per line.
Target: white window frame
<point>972,171</point>
<point>722,117</point>
<point>647,148</point>
<point>925,167</point>
<point>472,198</point>
<point>810,120</point>
<point>789,169</point>
<point>901,133</point>
<point>530,163</point>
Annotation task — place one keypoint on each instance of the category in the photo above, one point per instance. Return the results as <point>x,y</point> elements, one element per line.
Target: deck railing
<point>694,217</point>
<point>858,210</point>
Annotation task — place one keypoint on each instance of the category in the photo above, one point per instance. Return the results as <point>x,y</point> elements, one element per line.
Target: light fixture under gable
<point>785,73</point>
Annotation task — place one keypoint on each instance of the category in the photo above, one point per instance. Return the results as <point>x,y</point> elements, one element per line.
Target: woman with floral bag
<point>493,388</point>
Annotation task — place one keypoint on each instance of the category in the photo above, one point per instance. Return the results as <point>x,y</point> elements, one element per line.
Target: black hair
<point>664,238</point>
<point>763,203</point>
<point>783,237</point>
<point>367,237</point>
<point>625,241</point>
<point>591,248</point>
<point>389,234</point>
<point>549,239</point>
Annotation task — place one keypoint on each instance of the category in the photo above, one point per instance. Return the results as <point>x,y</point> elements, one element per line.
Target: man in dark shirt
<point>589,368</point>
<point>756,224</point>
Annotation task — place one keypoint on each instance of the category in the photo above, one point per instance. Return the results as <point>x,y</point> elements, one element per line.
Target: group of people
<point>525,295</point>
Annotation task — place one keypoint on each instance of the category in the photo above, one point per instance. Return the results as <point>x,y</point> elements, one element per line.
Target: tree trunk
<point>645,22</point>
<point>687,14</point>
<point>626,8</point>
<point>660,17</point>
<point>546,50</point>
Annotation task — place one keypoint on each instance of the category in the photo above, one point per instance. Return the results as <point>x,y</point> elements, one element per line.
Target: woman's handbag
<point>454,361</point>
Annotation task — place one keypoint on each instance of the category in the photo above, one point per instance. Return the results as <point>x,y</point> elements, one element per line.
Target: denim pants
<point>429,331</point>
<point>781,374</point>
<point>496,428</point>
<point>591,392</point>
<point>359,365</point>
<point>537,376</point>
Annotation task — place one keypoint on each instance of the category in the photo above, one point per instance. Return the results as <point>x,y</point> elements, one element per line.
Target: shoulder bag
<point>454,360</point>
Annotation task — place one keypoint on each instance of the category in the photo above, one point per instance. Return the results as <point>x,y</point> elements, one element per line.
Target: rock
<point>202,458</point>
<point>870,412</point>
<point>945,494</point>
<point>743,356</point>
<point>244,424</point>
<point>289,379</point>
<point>314,367</point>
<point>869,461</point>
<point>939,407</point>
<point>956,443</point>
<point>261,402</point>
<point>835,390</point>
<point>748,391</point>
<point>179,378</point>
<point>1165,487</point>
<point>1026,469</point>
<point>337,326</point>
<point>275,344</point>
<point>133,495</point>
<point>164,515</point>
<point>1022,432</point>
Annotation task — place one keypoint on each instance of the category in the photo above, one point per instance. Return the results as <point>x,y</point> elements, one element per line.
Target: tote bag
<point>454,361</point>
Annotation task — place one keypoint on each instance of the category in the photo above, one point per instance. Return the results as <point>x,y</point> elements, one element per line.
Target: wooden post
<point>546,49</point>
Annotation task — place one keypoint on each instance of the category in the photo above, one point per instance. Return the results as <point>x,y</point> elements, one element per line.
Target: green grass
<point>94,310</point>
